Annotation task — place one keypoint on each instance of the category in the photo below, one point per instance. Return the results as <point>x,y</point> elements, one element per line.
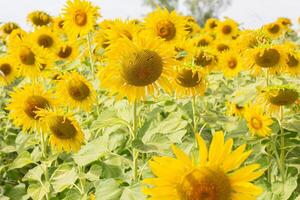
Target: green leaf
<point>108,189</point>
<point>284,191</point>
<point>90,152</point>
<point>94,173</point>
<point>17,192</point>
<point>35,173</point>
<point>37,191</point>
<point>133,193</point>
<point>63,177</point>
<point>22,160</point>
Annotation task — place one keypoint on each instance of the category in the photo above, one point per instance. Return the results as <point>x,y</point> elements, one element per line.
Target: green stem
<point>194,114</point>
<point>135,153</point>
<point>90,52</point>
<point>282,146</point>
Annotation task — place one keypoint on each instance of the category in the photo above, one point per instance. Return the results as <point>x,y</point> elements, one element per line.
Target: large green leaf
<point>63,177</point>
<point>108,189</point>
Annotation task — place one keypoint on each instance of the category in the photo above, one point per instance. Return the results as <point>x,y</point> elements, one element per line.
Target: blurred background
<point>249,13</point>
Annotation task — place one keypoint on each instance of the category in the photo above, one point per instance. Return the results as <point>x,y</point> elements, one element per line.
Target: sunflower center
<point>45,41</point>
<point>226,29</point>
<point>35,103</point>
<point>281,97</point>
<point>222,47</point>
<point>213,25</point>
<point>205,184</point>
<point>63,128</point>
<point>60,24</point>
<point>202,43</point>
<point>166,29</point>
<point>80,18</point>
<point>78,90</point>
<point>27,56</point>
<point>232,63</point>
<point>203,60</point>
<point>65,52</point>
<point>269,58</point>
<point>292,61</point>
<point>187,78</point>
<point>6,69</point>
<point>256,123</point>
<point>274,28</point>
<point>143,68</point>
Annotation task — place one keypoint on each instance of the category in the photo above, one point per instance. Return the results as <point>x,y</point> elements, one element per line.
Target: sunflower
<point>273,97</point>
<point>137,68</point>
<point>101,39</point>
<point>183,50</point>
<point>80,17</point>
<point>67,51</point>
<point>191,26</point>
<point>249,39</point>
<point>217,173</point>
<point>39,18</point>
<point>211,25</point>
<point>273,30</point>
<point>188,81</point>
<point>8,71</point>
<point>65,132</point>
<point>257,122</point>
<point>58,25</point>
<point>122,29</point>
<point>234,109</point>
<point>292,62</point>
<point>30,58</point>
<point>285,22</point>
<point>169,26</point>
<point>230,63</point>
<point>202,40</point>
<point>205,57</point>
<point>75,91</point>
<point>222,45</point>
<point>16,38</point>
<point>7,28</point>
<point>265,56</point>
<point>24,104</point>
<point>227,29</point>
<point>45,38</point>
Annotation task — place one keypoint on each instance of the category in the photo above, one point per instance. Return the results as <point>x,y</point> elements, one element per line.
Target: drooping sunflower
<point>8,71</point>
<point>273,30</point>
<point>122,29</point>
<point>24,104</point>
<point>39,18</point>
<point>30,58</point>
<point>202,40</point>
<point>58,25</point>
<point>211,25</point>
<point>169,26</point>
<point>227,29</point>
<point>191,26</point>
<point>138,68</point>
<point>45,38</point>
<point>75,91</point>
<point>274,97</point>
<point>230,63</point>
<point>65,132</point>
<point>292,66</point>
<point>188,81</point>
<point>80,17</point>
<point>265,56</point>
<point>285,22</point>
<point>217,174</point>
<point>249,39</point>
<point>205,57</point>
<point>7,28</point>
<point>67,51</point>
<point>257,121</point>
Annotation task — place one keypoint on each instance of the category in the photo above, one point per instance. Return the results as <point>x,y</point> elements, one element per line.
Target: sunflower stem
<point>194,115</point>
<point>90,53</point>
<point>135,153</point>
<point>282,146</point>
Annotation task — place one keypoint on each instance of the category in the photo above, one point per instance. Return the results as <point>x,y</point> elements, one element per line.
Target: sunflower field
<point>156,108</point>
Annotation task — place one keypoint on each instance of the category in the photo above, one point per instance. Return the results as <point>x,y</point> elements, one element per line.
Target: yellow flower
<point>169,26</point>
<point>191,26</point>
<point>188,81</point>
<point>7,28</point>
<point>257,122</point>
<point>45,38</point>
<point>39,18</point>
<point>75,91</point>
<point>202,40</point>
<point>67,51</point>
<point>264,56</point>
<point>183,49</point>
<point>230,63</point>
<point>227,29</point>
<point>222,45</point>
<point>8,70</point>
<point>273,30</point>
<point>217,173</point>
<point>234,109</point>
<point>137,68</point>
<point>122,29</point>
<point>58,25</point>
<point>292,62</point>
<point>80,17</point>
<point>16,38</point>
<point>24,104</point>
<point>205,57</point>
<point>211,25</point>
<point>250,39</point>
<point>65,132</point>
<point>285,22</point>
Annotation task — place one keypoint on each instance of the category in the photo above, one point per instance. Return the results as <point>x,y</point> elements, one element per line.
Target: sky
<point>250,13</point>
